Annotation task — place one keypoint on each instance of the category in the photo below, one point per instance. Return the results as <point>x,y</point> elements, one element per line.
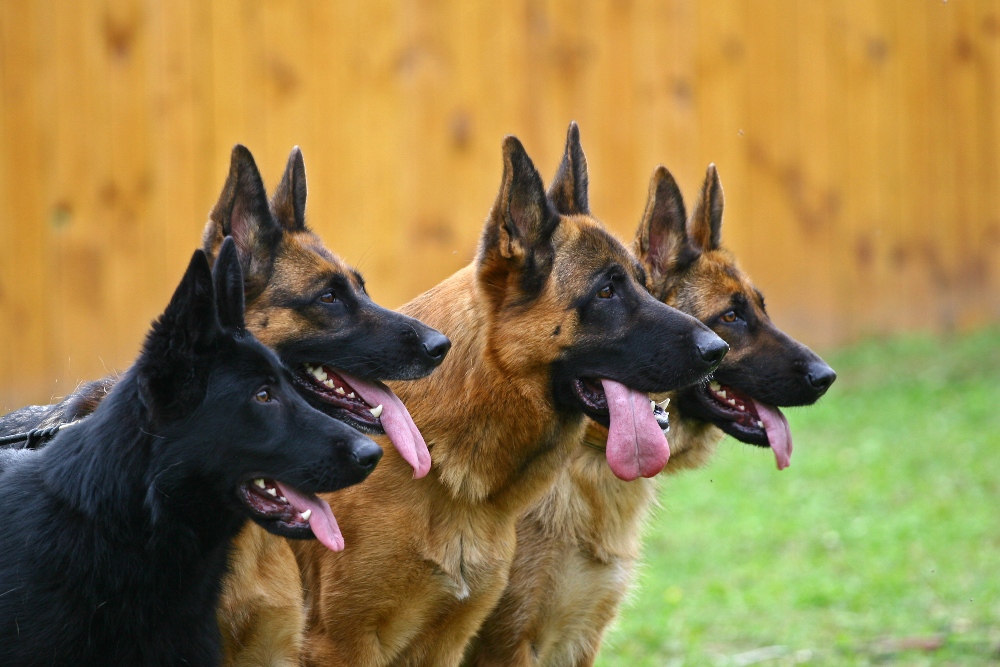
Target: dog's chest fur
<point>577,551</point>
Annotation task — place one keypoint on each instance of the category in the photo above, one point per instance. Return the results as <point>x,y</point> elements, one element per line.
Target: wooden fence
<point>858,143</point>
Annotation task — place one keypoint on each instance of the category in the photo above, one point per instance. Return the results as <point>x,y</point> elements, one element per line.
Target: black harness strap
<point>32,439</point>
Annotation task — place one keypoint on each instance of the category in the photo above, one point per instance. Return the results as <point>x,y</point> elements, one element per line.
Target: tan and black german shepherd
<point>552,322</point>
<point>311,308</point>
<point>577,548</point>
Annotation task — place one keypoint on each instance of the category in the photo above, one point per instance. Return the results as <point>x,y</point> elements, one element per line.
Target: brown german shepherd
<point>577,548</point>
<point>552,322</point>
<point>312,309</point>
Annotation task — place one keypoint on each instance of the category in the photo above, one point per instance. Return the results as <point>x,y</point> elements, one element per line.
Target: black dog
<point>116,534</point>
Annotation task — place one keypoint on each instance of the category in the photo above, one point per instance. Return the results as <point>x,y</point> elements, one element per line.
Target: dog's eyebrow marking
<point>360,280</point>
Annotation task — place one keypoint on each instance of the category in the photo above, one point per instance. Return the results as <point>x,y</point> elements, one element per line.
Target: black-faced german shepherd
<point>577,548</point>
<point>115,535</point>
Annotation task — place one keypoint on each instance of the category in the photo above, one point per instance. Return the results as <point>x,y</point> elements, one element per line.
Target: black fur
<point>115,536</point>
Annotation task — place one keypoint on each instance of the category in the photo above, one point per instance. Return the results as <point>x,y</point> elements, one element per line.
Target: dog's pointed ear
<point>518,232</point>
<point>520,220</point>
<point>661,242</point>
<point>173,367</point>
<point>705,226</point>
<point>228,276</point>
<point>568,191</point>
<point>288,205</point>
<point>243,213</point>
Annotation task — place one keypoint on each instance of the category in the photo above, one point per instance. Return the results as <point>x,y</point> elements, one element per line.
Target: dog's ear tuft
<point>705,227</point>
<point>568,191</point>
<point>288,205</point>
<point>173,366</point>
<point>661,242</point>
<point>228,276</point>
<point>518,233</point>
<point>243,213</point>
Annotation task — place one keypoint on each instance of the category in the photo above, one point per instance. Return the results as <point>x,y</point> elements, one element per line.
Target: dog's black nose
<point>367,455</point>
<point>436,345</point>
<point>711,348</point>
<point>820,376</point>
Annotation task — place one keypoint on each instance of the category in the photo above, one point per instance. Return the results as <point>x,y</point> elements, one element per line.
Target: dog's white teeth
<point>376,411</point>
<point>714,386</point>
<point>259,482</point>
<point>319,373</point>
<point>272,492</point>
<point>329,383</point>
<point>282,499</point>
<point>664,403</point>
<point>732,401</point>
<point>305,515</point>
<point>722,394</point>
<point>351,395</point>
<point>340,390</point>
<point>760,424</point>
<point>740,408</point>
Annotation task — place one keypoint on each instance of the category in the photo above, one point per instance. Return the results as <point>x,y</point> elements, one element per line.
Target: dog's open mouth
<point>333,395</point>
<point>637,445</point>
<point>591,394</point>
<point>747,420</point>
<point>286,511</point>
<point>368,406</point>
<point>736,407</point>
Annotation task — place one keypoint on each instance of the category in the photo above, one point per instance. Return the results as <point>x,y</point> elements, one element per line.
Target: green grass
<point>886,528</point>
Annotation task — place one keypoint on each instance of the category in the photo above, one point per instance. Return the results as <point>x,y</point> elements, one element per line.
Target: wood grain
<point>858,143</point>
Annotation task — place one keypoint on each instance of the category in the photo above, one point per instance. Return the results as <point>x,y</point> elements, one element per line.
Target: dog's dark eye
<point>606,292</point>
<point>730,317</point>
<point>328,297</point>
<point>263,396</point>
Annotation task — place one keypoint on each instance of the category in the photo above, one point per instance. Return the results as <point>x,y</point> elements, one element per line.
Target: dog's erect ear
<point>288,205</point>
<point>518,232</point>
<point>228,277</point>
<point>568,192</point>
<point>705,226</point>
<point>661,242</point>
<point>243,213</point>
<point>173,366</point>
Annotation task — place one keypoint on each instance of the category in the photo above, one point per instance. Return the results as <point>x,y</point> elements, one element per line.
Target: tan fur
<point>577,548</point>
<point>426,560</point>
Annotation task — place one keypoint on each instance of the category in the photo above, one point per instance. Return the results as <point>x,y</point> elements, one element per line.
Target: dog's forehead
<point>586,248</point>
<point>721,282</point>
<point>304,263</point>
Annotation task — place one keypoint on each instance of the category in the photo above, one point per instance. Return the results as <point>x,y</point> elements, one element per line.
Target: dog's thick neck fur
<point>489,458</point>
<point>132,482</point>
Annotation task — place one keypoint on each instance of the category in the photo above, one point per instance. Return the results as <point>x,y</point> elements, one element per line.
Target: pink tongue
<point>778,434</point>
<point>321,521</point>
<point>636,445</point>
<point>397,423</point>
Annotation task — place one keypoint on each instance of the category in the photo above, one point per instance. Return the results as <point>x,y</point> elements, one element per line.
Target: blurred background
<point>858,143</point>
